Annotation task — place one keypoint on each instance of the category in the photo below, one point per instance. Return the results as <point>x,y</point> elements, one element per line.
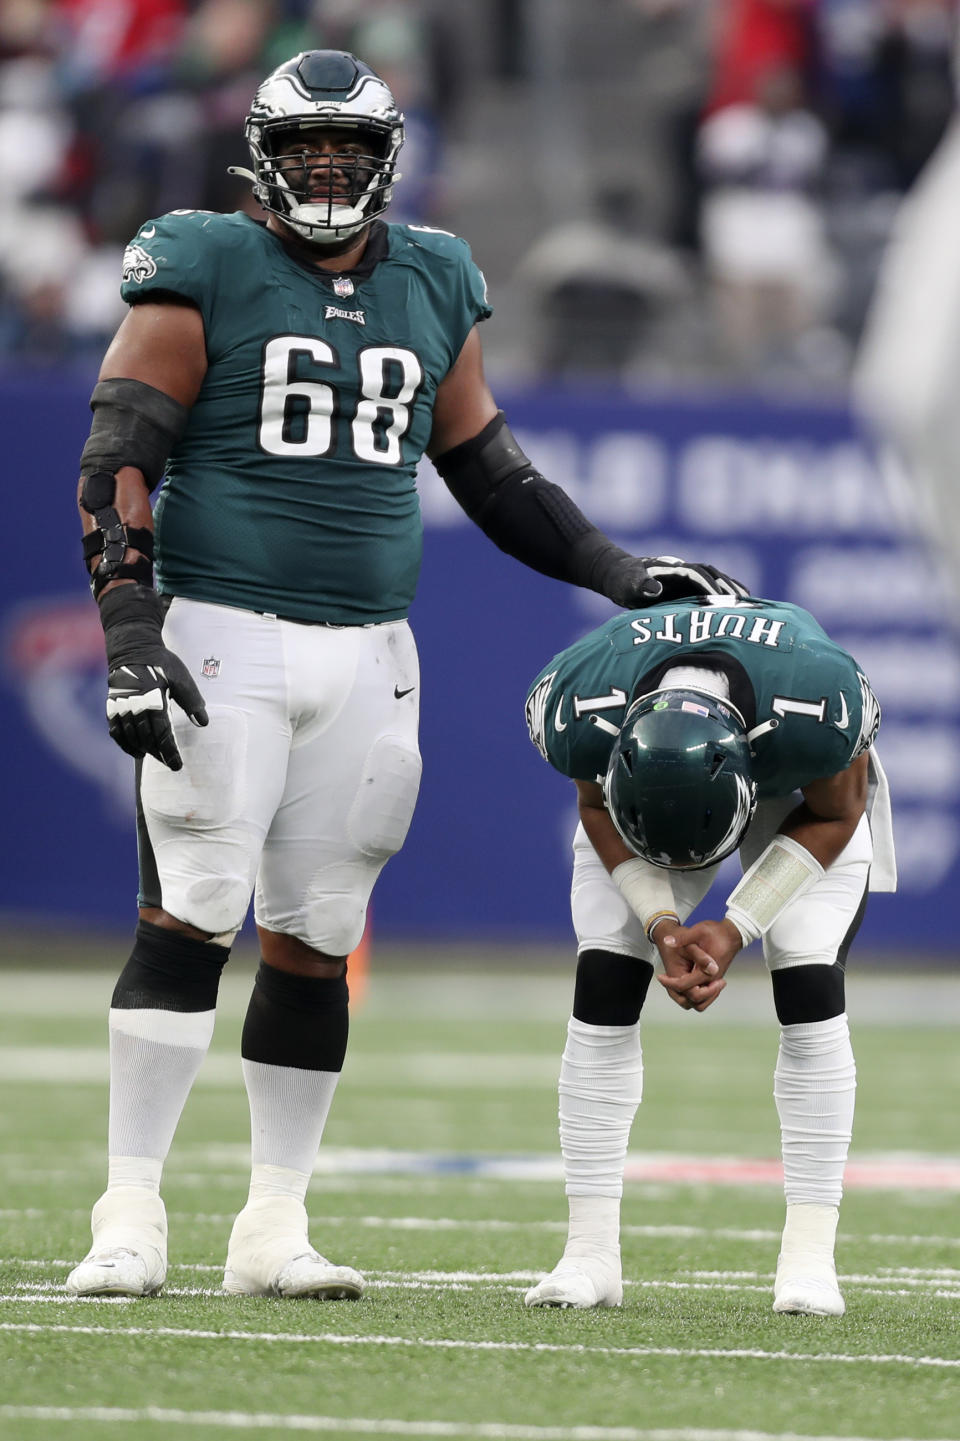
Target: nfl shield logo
<point>342,286</point>
<point>210,667</point>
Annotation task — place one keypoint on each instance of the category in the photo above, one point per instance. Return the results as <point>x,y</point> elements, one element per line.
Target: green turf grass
<point>442,1335</point>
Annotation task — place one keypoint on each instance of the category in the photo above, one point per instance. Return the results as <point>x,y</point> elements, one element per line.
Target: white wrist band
<point>647,891</point>
<point>779,875</point>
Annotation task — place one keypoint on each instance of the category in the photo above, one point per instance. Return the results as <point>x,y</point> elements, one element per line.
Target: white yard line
<point>58,1297</point>
<point>692,1281</point>
<point>906,1278</point>
<point>385,1426</point>
<point>332,1338</point>
<point>51,1292</point>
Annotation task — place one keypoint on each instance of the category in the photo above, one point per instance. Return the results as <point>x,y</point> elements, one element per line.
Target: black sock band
<point>168,971</point>
<point>610,989</point>
<point>802,994</point>
<point>300,1021</point>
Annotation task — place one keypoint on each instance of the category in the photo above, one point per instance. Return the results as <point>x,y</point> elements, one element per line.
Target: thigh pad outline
<point>383,807</point>
<point>210,790</point>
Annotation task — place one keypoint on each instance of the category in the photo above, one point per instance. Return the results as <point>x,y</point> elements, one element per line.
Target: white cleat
<point>270,1255</point>
<point>806,1279</point>
<point>580,1282</point>
<point>129,1252</point>
<point>807,1295</point>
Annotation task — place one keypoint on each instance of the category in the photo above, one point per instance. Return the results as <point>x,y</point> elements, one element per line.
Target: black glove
<point>635,581</point>
<point>683,579</point>
<point>142,675</point>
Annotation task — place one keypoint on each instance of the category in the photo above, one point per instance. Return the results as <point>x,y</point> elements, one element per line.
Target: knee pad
<point>333,921</point>
<point>610,989</point>
<point>802,994</point>
<point>168,971</point>
<point>217,904</point>
<point>298,1021</point>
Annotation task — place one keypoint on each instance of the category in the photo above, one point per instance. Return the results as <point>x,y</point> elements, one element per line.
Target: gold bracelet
<point>658,916</point>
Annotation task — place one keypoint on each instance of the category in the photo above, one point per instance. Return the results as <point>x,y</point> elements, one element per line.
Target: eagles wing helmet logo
<point>870,718</point>
<point>137,264</point>
<point>536,711</point>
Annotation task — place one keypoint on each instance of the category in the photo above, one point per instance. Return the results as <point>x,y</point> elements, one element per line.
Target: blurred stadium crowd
<point>670,190</point>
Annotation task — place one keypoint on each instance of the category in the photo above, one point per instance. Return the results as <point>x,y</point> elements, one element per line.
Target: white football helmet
<point>323,87</point>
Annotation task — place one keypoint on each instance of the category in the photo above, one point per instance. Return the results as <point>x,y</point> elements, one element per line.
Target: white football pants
<point>303,784</point>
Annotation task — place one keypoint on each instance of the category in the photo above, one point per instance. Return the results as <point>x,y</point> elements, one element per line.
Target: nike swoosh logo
<point>558,724</point>
<point>148,234</point>
<point>844,720</point>
<point>399,694</point>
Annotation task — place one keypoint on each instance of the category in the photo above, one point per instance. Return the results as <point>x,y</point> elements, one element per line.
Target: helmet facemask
<point>324,89</point>
<point>678,786</point>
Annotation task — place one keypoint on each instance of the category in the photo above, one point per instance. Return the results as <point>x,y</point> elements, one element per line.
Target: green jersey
<point>808,707</point>
<point>292,489</point>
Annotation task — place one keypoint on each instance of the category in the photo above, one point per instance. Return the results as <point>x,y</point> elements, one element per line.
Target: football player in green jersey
<point>280,382</point>
<point>693,730</point>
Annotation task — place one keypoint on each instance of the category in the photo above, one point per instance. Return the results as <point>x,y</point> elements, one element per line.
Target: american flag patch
<point>694,708</point>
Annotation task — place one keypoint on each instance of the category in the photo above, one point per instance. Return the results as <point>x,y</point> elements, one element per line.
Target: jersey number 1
<point>296,414</point>
<point>790,705</point>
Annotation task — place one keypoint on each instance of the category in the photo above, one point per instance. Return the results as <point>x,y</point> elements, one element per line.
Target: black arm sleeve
<point>535,521</point>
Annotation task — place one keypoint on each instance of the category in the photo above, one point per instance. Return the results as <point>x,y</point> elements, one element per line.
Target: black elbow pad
<point>524,514</point>
<point>133,424</point>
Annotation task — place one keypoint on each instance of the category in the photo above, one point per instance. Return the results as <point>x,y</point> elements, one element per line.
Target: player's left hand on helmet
<point>687,579</point>
<point>144,676</point>
<point>627,581</point>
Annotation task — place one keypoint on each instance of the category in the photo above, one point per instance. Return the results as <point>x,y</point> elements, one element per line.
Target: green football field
<point>440,1179</point>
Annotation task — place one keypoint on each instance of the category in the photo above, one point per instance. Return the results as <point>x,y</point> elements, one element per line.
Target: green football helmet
<point>678,786</point>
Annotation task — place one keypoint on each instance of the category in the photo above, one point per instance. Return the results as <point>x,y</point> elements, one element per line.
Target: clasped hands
<point>695,960</point>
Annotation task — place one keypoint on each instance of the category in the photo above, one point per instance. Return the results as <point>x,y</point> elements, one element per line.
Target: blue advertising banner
<point>790,498</point>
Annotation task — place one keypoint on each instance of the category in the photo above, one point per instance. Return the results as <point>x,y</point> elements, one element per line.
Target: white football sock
<point>814,1087</point>
<point>154,1060</point>
<point>138,1172</point>
<point>601,1083</point>
<point>269,1181</point>
<point>288,1111</point>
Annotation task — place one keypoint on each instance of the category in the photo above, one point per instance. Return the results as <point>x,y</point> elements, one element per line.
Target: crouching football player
<point>692,730</point>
